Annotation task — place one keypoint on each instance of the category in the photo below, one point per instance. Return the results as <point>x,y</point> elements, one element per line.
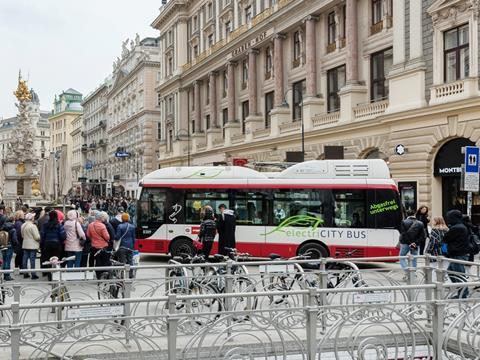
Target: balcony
<point>454,91</point>
<point>376,28</point>
<point>325,119</point>
<point>261,133</point>
<point>290,127</point>
<point>331,47</point>
<point>84,148</point>
<point>93,146</point>
<point>370,110</point>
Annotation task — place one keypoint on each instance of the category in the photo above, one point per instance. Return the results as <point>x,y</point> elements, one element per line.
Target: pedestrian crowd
<point>89,239</point>
<point>456,239</point>
<point>224,224</point>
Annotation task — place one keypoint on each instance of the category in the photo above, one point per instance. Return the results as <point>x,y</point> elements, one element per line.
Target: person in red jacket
<point>98,234</point>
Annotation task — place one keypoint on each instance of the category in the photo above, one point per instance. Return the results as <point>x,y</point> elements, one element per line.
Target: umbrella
<point>65,172</point>
<point>50,178</point>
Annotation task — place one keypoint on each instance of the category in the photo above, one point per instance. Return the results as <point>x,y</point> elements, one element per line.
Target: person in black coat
<point>226,225</point>
<point>412,234</point>
<point>422,215</point>
<point>207,231</point>
<point>7,254</point>
<point>458,248</point>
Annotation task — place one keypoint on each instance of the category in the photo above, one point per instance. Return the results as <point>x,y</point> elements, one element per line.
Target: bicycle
<point>59,290</point>
<point>110,282</point>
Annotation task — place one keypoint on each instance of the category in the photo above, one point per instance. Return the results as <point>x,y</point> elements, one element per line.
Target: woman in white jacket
<point>75,238</point>
<point>30,245</point>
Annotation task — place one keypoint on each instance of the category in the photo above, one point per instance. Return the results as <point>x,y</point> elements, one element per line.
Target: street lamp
<point>285,104</point>
<point>179,133</point>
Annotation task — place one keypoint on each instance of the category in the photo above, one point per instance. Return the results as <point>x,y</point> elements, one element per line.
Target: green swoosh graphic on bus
<point>297,220</point>
<point>198,174</point>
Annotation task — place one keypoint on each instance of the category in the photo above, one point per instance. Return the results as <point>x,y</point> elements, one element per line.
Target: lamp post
<point>179,133</point>
<point>285,104</point>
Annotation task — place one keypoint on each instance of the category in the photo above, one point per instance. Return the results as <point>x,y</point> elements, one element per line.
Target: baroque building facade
<point>387,79</point>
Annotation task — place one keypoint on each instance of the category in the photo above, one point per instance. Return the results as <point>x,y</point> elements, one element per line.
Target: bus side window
<point>350,208</point>
<point>251,208</point>
<point>384,207</point>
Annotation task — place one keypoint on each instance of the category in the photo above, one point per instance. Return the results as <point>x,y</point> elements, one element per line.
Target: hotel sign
<point>251,43</point>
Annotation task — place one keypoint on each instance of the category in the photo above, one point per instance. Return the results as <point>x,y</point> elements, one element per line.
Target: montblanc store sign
<point>251,43</point>
<point>449,171</point>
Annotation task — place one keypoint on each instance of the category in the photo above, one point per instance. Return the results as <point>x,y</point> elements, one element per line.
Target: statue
<point>20,147</point>
<point>125,51</point>
<point>137,39</point>
<point>132,45</point>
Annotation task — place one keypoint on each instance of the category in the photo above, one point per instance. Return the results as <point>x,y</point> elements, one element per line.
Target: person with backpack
<point>98,234</point>
<point>208,230</point>
<point>473,237</point>
<point>52,237</point>
<point>412,234</point>
<point>422,215</point>
<point>458,248</point>
<point>30,245</point>
<point>8,241</point>
<point>75,238</point>
<point>439,229</point>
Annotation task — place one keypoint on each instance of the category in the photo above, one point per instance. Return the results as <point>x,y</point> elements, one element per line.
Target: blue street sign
<point>472,154</point>
<point>122,154</point>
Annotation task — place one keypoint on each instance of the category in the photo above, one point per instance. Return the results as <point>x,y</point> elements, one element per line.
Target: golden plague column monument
<point>20,165</point>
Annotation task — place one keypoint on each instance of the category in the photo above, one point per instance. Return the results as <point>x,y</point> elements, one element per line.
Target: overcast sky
<point>63,43</point>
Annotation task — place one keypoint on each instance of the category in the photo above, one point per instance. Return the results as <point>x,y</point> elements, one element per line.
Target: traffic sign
<point>471,176</point>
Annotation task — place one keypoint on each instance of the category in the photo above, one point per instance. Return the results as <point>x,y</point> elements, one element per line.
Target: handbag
<point>116,243</point>
<point>81,240</point>
<point>197,245</point>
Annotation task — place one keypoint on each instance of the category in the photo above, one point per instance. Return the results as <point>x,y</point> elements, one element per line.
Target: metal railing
<point>276,310</point>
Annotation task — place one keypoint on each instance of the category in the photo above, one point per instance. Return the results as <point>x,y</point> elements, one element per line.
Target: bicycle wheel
<point>103,286</point>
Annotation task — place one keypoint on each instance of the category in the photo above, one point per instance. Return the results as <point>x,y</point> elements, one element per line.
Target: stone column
<point>311,56</point>
<point>278,69</point>
<point>252,82</point>
<point>231,91</point>
<point>198,104</point>
<point>352,42</point>
<point>416,33</point>
<point>399,32</point>
<point>213,99</point>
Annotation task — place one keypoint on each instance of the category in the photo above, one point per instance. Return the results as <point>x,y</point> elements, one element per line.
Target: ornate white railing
<point>325,119</point>
<point>291,126</point>
<point>369,110</point>
<point>237,138</point>
<point>449,89</point>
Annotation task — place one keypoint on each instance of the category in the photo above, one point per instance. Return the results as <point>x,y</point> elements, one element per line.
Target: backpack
<point>474,242</point>
<point>4,239</point>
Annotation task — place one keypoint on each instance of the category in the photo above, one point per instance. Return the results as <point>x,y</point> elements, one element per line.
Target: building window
<point>268,63</point>
<point>195,51</point>
<point>207,121</point>
<point>332,28</point>
<point>335,81</point>
<point>298,91</point>
<point>195,23</point>
<point>210,40</point>
<point>268,108</point>
<point>244,115</point>
<point>377,11</point>
<point>380,65</point>
<point>159,131</point>
<point>170,140</point>
<point>159,99</point>
<point>297,48</point>
<point>207,94</point>
<point>228,28</point>
<point>170,37</point>
<point>456,53</point>
<point>244,73</point>
<point>170,66</point>
<point>210,10</point>
<point>224,120</point>
<point>225,83</point>
<point>248,14</point>
<point>344,21</point>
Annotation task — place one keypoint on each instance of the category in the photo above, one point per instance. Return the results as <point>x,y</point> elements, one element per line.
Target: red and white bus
<point>330,207</point>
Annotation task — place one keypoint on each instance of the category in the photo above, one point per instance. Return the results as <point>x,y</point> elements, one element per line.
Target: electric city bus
<point>332,208</point>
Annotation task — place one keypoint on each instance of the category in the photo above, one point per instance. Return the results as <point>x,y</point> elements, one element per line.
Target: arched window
<point>376,154</point>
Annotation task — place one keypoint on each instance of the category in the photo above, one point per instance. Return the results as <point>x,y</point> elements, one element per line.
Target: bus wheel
<point>182,246</point>
<point>314,249</point>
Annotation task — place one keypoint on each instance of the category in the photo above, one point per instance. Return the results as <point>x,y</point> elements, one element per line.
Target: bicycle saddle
<point>218,258</point>
<point>274,256</point>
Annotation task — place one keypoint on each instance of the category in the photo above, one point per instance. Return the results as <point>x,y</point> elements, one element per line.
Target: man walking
<point>458,248</point>
<point>226,224</point>
<point>412,234</point>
